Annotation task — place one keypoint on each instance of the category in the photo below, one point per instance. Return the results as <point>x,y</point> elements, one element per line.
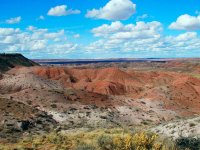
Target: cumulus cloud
<point>186,36</point>
<point>142,17</point>
<point>8,31</point>
<point>76,36</point>
<point>184,42</point>
<point>145,37</point>
<point>35,40</point>
<point>54,35</point>
<point>14,20</point>
<point>119,31</point>
<point>31,28</point>
<point>142,39</point>
<point>186,22</point>
<point>41,17</point>
<point>114,10</point>
<point>62,11</point>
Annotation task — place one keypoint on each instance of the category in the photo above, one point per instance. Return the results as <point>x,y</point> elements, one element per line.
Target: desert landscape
<point>99,75</point>
<point>162,97</point>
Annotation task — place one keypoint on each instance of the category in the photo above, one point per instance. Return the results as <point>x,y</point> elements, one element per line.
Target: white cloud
<point>186,36</point>
<point>41,17</point>
<point>8,31</point>
<point>76,36</point>
<point>54,35</point>
<point>14,20</point>
<point>105,29</point>
<point>38,44</point>
<point>63,48</point>
<point>9,40</point>
<point>31,28</point>
<point>62,11</point>
<point>145,37</point>
<point>187,41</point>
<point>119,31</point>
<point>114,10</point>
<point>142,17</point>
<point>113,40</point>
<point>118,36</point>
<point>35,40</point>
<point>186,22</point>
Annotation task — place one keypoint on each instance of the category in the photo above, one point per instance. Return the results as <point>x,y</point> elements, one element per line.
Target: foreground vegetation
<point>196,75</point>
<point>102,139</point>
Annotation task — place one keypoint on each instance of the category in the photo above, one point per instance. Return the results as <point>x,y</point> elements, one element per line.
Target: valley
<point>36,100</point>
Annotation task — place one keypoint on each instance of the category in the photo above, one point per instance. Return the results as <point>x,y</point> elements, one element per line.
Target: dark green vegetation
<point>188,143</point>
<point>8,61</point>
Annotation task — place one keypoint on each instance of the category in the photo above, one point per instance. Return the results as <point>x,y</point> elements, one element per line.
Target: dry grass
<point>196,76</point>
<point>101,139</point>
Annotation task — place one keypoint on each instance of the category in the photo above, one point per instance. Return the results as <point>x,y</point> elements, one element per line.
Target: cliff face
<point>8,61</point>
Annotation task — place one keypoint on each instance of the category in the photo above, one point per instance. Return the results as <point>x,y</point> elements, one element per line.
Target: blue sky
<point>100,29</point>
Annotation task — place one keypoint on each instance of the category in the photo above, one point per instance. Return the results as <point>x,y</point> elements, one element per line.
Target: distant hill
<point>8,61</point>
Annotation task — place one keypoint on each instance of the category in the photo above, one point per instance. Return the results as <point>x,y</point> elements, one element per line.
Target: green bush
<point>84,146</point>
<point>105,142</point>
<point>188,143</point>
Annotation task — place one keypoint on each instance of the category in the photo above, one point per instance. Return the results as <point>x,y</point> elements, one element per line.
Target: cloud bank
<point>142,37</point>
<point>35,41</point>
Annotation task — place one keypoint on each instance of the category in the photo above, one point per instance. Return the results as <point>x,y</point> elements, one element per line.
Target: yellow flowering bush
<point>143,141</point>
<point>101,139</point>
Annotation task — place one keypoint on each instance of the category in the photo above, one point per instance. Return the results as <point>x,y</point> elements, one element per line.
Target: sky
<point>89,29</point>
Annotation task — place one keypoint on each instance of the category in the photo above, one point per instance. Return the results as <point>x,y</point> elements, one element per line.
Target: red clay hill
<point>181,89</point>
<point>96,95</point>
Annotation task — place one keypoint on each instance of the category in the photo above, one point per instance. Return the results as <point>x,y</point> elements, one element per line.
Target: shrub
<point>188,143</point>
<point>84,146</point>
<point>53,106</point>
<point>101,139</point>
<point>192,124</point>
<point>145,141</point>
<point>123,143</point>
<point>105,142</point>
